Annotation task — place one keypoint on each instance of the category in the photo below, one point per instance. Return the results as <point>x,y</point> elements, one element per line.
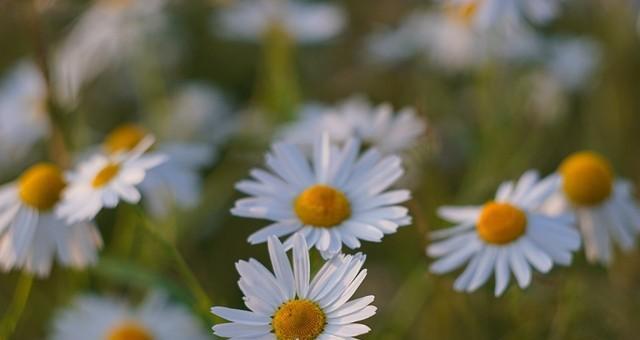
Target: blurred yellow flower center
<point>322,206</point>
<point>40,186</point>
<point>124,138</point>
<point>464,12</point>
<point>129,331</point>
<point>105,175</point>
<point>587,178</point>
<point>501,223</point>
<point>298,320</point>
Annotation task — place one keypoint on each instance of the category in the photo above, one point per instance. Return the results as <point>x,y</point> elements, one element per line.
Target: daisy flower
<point>604,206</point>
<point>305,22</point>
<point>108,33</point>
<point>376,126</point>
<point>507,235</point>
<point>31,235</point>
<point>487,13</point>
<point>93,317</point>
<point>288,304</point>
<point>103,180</point>
<point>23,112</point>
<point>336,197</point>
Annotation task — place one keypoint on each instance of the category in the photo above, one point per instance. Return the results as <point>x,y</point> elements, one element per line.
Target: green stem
<point>17,306</point>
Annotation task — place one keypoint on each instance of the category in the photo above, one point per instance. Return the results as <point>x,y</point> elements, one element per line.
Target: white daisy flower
<point>306,22</point>
<point>108,33</point>
<point>103,180</point>
<point>288,304</point>
<point>487,13</point>
<point>336,197</point>
<point>23,112</point>
<point>379,127</point>
<point>604,206</point>
<point>92,317</point>
<point>507,235</point>
<point>31,236</point>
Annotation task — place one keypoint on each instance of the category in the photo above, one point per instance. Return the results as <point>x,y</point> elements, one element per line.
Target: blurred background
<point>497,102</point>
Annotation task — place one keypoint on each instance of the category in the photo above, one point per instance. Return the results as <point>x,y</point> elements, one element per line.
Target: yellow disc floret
<point>464,12</point>
<point>105,175</point>
<point>129,331</point>
<point>587,178</point>
<point>298,320</point>
<point>501,223</point>
<point>40,186</point>
<point>322,206</point>
<point>124,138</point>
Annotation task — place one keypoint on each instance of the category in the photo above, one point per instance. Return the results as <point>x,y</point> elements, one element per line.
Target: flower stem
<point>14,312</point>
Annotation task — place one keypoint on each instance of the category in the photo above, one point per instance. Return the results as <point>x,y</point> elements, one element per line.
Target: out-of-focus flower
<point>306,22</point>
<point>289,304</point>
<point>488,13</point>
<point>31,236</point>
<point>23,112</point>
<point>572,61</point>
<point>108,33</point>
<point>93,317</point>
<point>507,235</point>
<point>336,197</point>
<point>103,180</point>
<point>604,206</point>
<point>376,126</point>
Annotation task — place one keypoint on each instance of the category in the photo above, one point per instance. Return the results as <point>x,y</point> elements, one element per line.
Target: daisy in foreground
<point>339,197</point>
<point>93,317</point>
<point>507,235</point>
<point>103,180</point>
<point>31,236</point>
<point>289,305</point>
<point>604,206</point>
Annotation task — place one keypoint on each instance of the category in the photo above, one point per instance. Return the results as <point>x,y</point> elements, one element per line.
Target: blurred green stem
<point>14,312</point>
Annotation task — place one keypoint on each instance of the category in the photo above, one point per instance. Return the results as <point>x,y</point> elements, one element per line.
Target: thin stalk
<point>16,308</point>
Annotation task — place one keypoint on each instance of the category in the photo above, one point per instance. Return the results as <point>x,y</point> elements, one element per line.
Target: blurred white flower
<point>93,317</point>
<point>23,112</point>
<point>604,206</point>
<point>108,33</point>
<point>508,235</point>
<point>572,61</point>
<point>31,236</point>
<point>290,304</point>
<point>103,180</point>
<point>488,13</point>
<point>376,126</point>
<point>305,22</point>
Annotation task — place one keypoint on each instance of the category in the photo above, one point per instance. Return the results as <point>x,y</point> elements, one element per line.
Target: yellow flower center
<point>124,138</point>
<point>105,175</point>
<point>501,223</point>
<point>322,206</point>
<point>129,331</point>
<point>464,12</point>
<point>587,178</point>
<point>298,320</point>
<point>40,186</point>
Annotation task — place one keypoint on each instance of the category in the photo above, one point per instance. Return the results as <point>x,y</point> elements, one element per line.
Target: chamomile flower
<point>31,236</point>
<point>336,197</point>
<point>604,206</point>
<point>507,235</point>
<point>93,317</point>
<point>487,13</point>
<point>376,126</point>
<point>305,22</point>
<point>23,112</point>
<point>108,33</point>
<point>103,180</point>
<point>288,304</point>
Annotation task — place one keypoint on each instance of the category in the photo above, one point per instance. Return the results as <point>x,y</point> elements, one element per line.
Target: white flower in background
<point>376,126</point>
<point>604,206</point>
<point>338,196</point>
<point>305,22</point>
<point>108,33</point>
<point>572,61</point>
<point>103,180</point>
<point>31,236</point>
<point>23,112</point>
<point>488,13</point>
<point>93,317</point>
<point>289,304</point>
<point>508,235</point>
